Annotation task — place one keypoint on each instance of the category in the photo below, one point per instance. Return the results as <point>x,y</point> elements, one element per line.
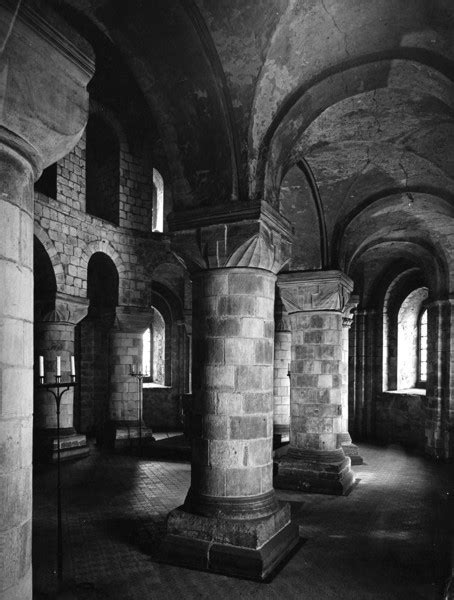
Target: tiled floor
<point>389,539</point>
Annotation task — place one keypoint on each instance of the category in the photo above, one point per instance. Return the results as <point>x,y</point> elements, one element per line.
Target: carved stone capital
<point>237,235</point>
<point>44,70</point>
<point>132,319</point>
<point>308,291</point>
<point>348,312</point>
<point>68,309</point>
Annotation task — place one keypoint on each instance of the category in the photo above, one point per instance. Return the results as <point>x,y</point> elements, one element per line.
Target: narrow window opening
<point>423,348</point>
<point>157,221</point>
<point>154,350</point>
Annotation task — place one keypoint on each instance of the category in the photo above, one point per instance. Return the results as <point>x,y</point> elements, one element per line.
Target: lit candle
<point>73,366</point>
<point>41,366</point>
<point>58,366</point>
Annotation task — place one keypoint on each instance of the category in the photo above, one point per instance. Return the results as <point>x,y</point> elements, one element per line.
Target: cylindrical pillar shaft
<point>231,520</point>
<point>233,388</point>
<point>315,461</point>
<point>16,374</point>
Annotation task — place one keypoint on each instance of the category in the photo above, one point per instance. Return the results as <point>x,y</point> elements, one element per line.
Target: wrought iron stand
<point>57,390</point>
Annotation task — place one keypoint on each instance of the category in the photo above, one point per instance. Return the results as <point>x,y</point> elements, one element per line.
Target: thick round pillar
<point>54,336</point>
<point>231,516</point>
<point>315,461</point>
<point>16,374</point>
<point>44,108</point>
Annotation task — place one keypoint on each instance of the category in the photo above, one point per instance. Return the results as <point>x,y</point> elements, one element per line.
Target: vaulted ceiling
<point>340,114</point>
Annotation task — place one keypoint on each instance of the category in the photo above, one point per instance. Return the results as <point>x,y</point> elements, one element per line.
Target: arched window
<point>422,349</point>
<point>102,170</point>
<point>157,221</point>
<point>154,350</point>
<point>409,340</point>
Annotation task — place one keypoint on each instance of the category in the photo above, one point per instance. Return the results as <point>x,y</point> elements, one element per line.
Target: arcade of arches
<point>259,192</point>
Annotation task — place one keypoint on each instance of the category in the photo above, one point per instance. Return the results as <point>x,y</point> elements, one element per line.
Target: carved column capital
<point>237,235</point>
<point>68,309</point>
<point>44,70</point>
<point>133,319</point>
<point>349,311</point>
<point>313,291</point>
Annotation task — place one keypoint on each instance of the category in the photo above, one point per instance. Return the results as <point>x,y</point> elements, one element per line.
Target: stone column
<point>281,387</point>
<point>44,109</point>
<point>315,461</point>
<point>231,521</point>
<point>439,406</point>
<point>54,336</point>
<point>344,437</point>
<point>126,345</point>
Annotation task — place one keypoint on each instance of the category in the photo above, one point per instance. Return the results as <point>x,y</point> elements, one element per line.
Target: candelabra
<point>139,376</point>
<point>57,389</point>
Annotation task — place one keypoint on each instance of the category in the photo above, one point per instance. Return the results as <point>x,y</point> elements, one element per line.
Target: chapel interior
<point>226,225</point>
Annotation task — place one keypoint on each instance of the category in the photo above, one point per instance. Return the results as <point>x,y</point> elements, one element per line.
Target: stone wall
<point>399,418</point>
<point>70,237</point>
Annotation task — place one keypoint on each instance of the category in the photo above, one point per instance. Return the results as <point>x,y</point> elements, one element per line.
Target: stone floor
<point>388,539</point>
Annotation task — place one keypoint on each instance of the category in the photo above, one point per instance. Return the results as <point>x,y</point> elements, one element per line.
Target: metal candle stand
<point>139,376</point>
<point>60,388</point>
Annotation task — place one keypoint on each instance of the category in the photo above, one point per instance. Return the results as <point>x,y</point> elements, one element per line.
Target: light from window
<point>423,347</point>
<point>157,222</point>
<point>146,354</point>
<point>153,353</point>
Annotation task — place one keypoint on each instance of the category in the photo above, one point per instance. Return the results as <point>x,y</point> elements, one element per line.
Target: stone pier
<point>44,108</point>
<point>54,336</point>
<point>231,521</point>
<point>315,461</point>
<point>126,394</point>
<point>345,439</point>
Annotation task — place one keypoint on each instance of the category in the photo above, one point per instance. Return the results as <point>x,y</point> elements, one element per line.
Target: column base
<point>314,472</point>
<point>132,435</point>
<point>350,449</point>
<point>72,446</point>
<point>247,548</point>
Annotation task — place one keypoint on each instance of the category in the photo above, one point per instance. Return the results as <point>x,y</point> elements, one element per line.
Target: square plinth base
<point>352,451</point>
<point>72,447</point>
<point>185,545</point>
<point>133,436</point>
<point>314,476</point>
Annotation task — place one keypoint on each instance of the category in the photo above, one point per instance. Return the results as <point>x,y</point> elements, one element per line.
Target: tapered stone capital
<point>44,70</point>
<point>238,235</point>
<point>348,312</point>
<point>132,319</point>
<point>68,309</point>
<point>313,291</point>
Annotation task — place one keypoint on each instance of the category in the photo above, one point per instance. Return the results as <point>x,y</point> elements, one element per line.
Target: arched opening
<point>93,337</point>
<point>47,183</point>
<point>102,170</point>
<point>155,350</point>
<point>157,223</point>
<point>408,339</point>
<point>45,284</point>
<point>102,281</point>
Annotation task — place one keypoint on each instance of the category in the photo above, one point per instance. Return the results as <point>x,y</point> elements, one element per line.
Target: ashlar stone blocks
<point>231,521</point>
<point>315,461</point>
<point>40,122</point>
